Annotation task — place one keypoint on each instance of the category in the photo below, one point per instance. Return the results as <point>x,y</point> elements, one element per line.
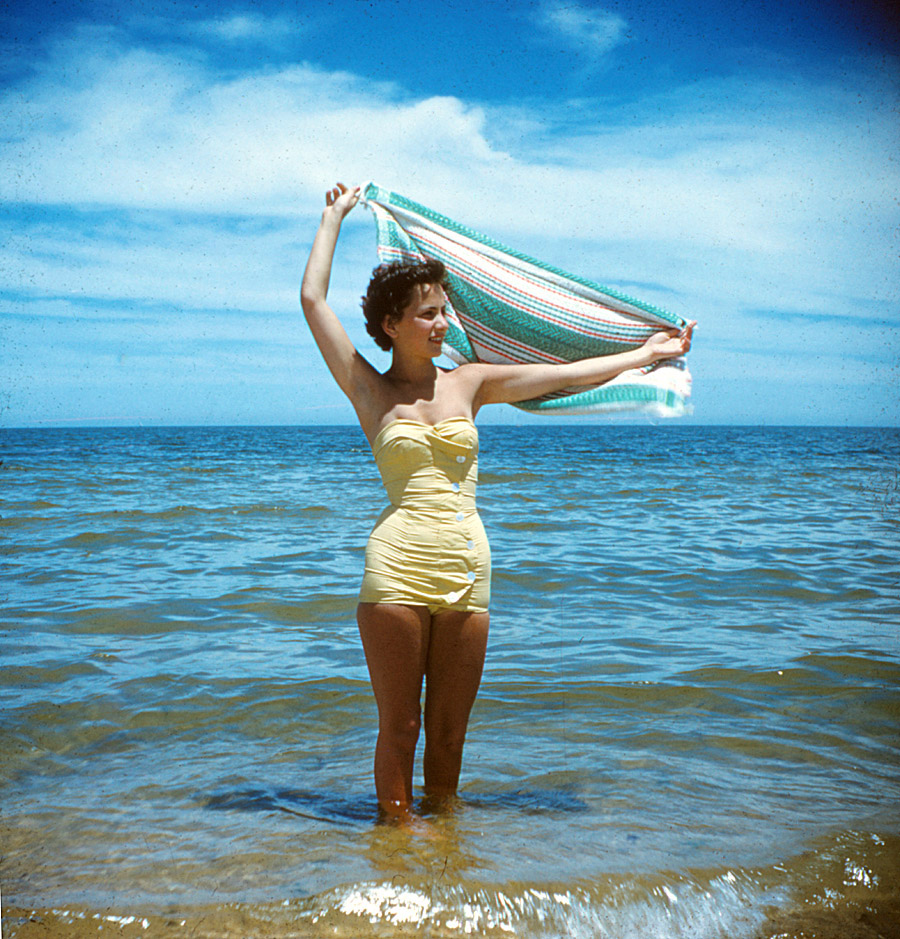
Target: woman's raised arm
<point>351,371</point>
<point>509,383</point>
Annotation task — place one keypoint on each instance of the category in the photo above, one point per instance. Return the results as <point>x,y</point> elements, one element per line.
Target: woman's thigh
<point>395,639</point>
<point>456,652</point>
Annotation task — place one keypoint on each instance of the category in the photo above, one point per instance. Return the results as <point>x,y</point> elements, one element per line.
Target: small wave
<point>729,906</point>
<point>105,657</point>
<point>845,885</point>
<point>203,470</point>
<point>95,539</point>
<point>487,478</point>
<point>178,512</point>
<point>821,892</point>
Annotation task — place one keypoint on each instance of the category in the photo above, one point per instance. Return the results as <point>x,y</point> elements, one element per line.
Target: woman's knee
<point>444,737</point>
<point>401,731</point>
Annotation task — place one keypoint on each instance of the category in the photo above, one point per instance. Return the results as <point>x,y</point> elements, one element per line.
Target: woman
<point>423,610</point>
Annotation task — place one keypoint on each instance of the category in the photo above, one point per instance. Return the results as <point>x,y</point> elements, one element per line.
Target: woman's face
<point>424,322</point>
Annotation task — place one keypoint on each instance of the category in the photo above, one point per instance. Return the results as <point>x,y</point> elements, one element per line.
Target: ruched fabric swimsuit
<point>428,547</point>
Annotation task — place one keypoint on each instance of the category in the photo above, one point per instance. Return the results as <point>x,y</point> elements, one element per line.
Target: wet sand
<point>879,918</point>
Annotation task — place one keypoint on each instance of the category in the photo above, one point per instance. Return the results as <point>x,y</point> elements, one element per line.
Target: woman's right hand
<point>342,199</point>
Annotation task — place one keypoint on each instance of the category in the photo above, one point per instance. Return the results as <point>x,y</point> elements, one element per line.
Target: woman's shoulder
<point>466,369</point>
<point>469,375</point>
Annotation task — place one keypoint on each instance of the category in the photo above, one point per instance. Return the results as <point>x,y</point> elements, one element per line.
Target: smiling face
<point>424,324</point>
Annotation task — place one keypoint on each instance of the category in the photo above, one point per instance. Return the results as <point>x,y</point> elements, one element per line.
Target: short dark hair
<point>390,291</point>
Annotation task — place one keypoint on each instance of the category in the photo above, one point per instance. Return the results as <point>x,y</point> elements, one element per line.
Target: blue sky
<point>163,170</point>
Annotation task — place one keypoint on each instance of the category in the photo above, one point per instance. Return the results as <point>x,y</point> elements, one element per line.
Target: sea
<point>687,726</point>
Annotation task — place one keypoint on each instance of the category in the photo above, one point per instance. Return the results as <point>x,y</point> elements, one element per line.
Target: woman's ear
<point>389,325</point>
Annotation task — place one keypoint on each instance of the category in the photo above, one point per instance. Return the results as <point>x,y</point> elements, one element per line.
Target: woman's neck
<point>412,371</point>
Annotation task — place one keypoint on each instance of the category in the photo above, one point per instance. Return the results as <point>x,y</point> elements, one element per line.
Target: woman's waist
<point>430,528</point>
<point>435,507</point>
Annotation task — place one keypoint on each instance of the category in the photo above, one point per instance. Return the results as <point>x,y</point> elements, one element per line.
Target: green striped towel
<point>504,306</point>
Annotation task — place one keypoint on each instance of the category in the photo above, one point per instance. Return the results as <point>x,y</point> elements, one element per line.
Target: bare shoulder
<point>469,382</point>
<point>469,373</point>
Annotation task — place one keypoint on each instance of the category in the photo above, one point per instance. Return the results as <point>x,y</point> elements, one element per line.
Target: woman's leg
<point>453,669</point>
<point>395,640</point>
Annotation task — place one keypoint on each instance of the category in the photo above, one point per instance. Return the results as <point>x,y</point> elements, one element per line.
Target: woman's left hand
<point>668,345</point>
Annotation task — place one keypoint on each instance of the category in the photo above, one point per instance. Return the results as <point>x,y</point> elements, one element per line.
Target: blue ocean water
<point>687,724</point>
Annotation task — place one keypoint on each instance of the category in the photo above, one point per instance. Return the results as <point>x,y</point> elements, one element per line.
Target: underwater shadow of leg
<point>317,806</point>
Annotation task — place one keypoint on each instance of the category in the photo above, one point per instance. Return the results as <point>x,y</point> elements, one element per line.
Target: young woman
<point>423,610</point>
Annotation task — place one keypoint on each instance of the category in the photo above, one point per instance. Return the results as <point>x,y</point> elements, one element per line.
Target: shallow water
<point>687,725</point>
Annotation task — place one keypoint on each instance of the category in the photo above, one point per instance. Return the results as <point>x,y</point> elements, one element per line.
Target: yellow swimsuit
<point>428,547</point>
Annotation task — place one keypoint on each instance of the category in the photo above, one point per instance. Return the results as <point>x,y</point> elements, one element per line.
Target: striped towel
<point>504,306</point>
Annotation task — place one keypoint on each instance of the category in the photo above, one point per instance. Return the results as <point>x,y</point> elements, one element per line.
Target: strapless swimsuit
<point>428,547</point>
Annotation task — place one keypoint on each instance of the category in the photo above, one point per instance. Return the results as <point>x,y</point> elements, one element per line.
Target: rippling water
<point>687,726</point>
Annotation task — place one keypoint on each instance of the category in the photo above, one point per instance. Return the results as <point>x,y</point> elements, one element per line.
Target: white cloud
<point>127,127</point>
<point>749,171</point>
<point>591,31</point>
<point>736,195</point>
<point>241,27</point>
<point>750,198</point>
